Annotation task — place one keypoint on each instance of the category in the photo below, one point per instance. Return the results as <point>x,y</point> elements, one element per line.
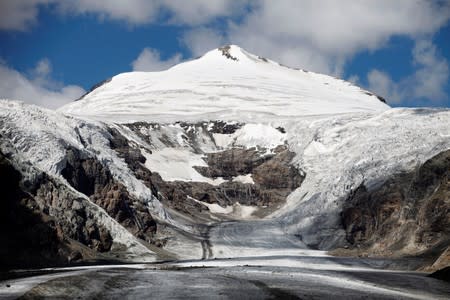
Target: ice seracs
<point>225,83</point>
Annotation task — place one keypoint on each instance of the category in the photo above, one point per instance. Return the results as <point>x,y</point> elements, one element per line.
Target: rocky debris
<point>263,59</point>
<point>44,223</point>
<point>381,98</point>
<point>91,178</point>
<point>226,52</point>
<point>281,129</point>
<point>407,215</point>
<point>221,127</point>
<point>378,97</point>
<point>233,162</point>
<point>224,127</point>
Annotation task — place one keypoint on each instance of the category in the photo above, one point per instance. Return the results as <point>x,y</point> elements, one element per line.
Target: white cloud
<point>201,40</point>
<point>382,84</point>
<point>432,73</point>
<point>19,14</point>
<point>131,11</point>
<point>427,82</point>
<point>150,60</point>
<point>196,12</point>
<point>323,35</point>
<point>22,14</point>
<point>38,89</point>
<point>43,67</point>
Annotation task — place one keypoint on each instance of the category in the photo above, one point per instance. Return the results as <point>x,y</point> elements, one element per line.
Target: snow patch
<point>251,135</point>
<point>246,179</point>
<point>174,164</point>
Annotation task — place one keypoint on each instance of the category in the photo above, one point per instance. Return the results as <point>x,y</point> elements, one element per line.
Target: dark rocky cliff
<point>408,215</point>
<point>43,222</point>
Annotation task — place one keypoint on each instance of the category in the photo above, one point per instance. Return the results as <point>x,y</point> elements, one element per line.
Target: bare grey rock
<point>408,215</point>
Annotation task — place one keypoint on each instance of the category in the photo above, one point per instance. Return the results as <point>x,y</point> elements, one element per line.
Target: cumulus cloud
<point>131,11</point>
<point>323,34</point>
<point>433,71</point>
<point>197,12</point>
<point>150,60</point>
<point>427,82</point>
<point>38,88</point>
<point>21,14</point>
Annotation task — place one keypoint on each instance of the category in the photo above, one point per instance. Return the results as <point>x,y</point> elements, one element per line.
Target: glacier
<point>341,136</point>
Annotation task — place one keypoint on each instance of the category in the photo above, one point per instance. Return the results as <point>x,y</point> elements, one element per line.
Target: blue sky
<point>52,51</point>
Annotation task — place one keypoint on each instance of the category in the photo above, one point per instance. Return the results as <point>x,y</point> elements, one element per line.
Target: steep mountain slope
<point>224,83</point>
<point>232,155</point>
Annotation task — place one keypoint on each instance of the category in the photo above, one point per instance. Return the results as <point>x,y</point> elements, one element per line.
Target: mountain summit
<point>223,83</point>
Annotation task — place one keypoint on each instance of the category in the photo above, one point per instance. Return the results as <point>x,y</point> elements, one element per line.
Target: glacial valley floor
<point>274,277</point>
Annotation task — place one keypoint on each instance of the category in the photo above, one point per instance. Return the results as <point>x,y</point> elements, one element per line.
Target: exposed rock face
<point>226,52</point>
<point>224,127</point>
<point>442,261</point>
<point>273,175</point>
<point>89,177</point>
<point>232,162</point>
<point>44,224</point>
<point>407,215</point>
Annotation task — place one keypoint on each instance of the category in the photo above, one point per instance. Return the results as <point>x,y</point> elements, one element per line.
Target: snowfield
<point>222,88</point>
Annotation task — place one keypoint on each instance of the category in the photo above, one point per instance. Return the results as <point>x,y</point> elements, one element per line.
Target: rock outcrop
<point>270,175</point>
<point>273,176</point>
<point>409,214</point>
<point>44,223</point>
<point>89,177</point>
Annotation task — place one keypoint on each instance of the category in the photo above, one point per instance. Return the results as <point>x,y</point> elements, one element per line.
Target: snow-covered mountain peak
<point>229,57</point>
<point>226,83</point>
<point>231,53</point>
